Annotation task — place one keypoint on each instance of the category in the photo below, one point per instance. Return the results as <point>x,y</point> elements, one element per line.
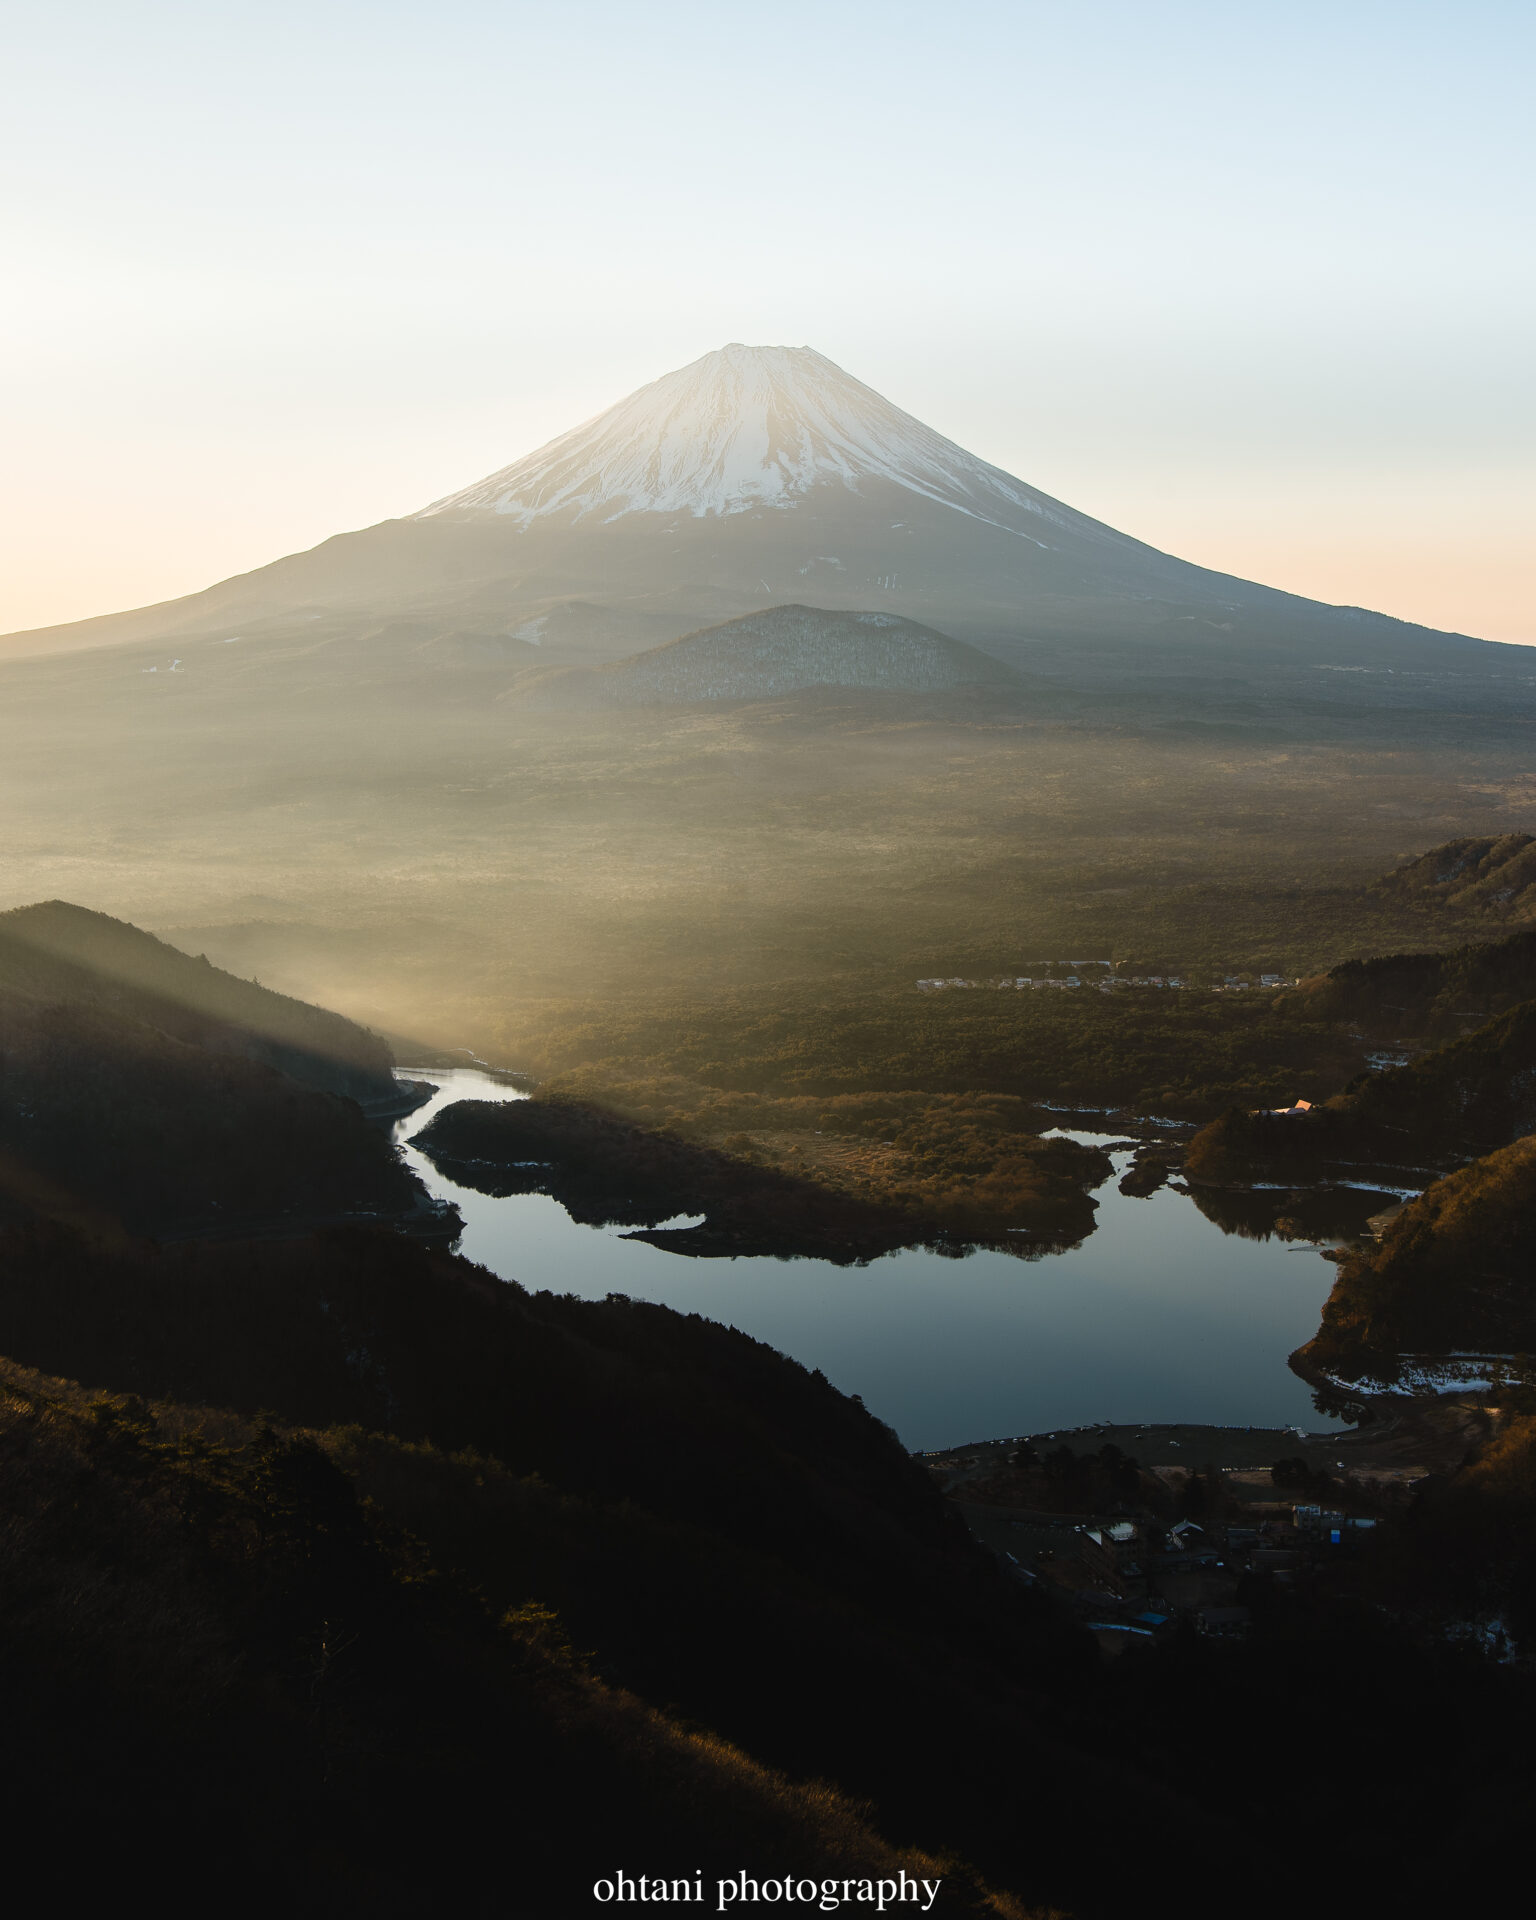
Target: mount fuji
<point>755,477</point>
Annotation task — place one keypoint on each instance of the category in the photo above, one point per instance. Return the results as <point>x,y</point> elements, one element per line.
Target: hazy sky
<point>1252,282</point>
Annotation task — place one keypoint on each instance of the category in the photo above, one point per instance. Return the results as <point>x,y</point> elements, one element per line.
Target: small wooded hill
<point>1491,878</point>
<point>1422,996</point>
<point>142,1097</point>
<point>68,955</point>
<point>1456,1270</point>
<point>780,651</point>
<point>1476,1094</point>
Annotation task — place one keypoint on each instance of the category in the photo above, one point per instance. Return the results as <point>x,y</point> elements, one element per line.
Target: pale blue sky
<point>1254,283</point>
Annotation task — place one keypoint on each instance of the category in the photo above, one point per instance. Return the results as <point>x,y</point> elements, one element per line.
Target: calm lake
<point>1158,1316</point>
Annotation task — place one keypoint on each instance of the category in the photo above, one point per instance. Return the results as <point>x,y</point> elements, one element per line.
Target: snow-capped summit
<point>748,427</point>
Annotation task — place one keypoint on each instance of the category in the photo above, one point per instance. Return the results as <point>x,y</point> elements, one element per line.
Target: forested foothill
<point>68,955</point>
<point>149,1093</point>
<point>1488,877</point>
<point>1470,1095</point>
<point>1451,1272</point>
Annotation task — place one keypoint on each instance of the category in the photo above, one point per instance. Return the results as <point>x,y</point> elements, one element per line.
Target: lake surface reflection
<point>1158,1316</point>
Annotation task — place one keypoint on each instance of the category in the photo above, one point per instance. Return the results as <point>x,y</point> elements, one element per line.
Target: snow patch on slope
<point>745,428</point>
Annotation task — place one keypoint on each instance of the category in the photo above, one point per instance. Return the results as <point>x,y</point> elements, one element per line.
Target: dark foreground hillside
<point>730,1533</point>
<point>147,1093</point>
<point>394,1647</point>
<point>68,955</point>
<point>227,1670</point>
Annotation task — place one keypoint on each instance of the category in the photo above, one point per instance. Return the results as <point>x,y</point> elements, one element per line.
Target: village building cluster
<point>1132,1576</point>
<point>1106,981</point>
<point>1130,1579</point>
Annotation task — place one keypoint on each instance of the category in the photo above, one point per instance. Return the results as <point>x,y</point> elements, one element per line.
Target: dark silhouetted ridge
<point>66,953</point>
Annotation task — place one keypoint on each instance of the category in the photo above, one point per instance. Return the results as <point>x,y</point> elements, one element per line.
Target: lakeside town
<point>1143,1531</point>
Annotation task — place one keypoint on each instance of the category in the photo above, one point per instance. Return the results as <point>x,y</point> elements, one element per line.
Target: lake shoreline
<point>1432,1436</point>
<point>1159,1309</point>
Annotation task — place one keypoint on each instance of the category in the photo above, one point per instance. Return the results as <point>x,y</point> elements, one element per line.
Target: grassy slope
<point>1492,877</point>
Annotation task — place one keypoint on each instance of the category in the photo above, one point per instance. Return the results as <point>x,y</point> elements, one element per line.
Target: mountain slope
<point>145,1092</point>
<point>762,474</point>
<point>1490,878</point>
<point>1423,996</point>
<point>781,650</point>
<point>303,1689</point>
<point>65,954</point>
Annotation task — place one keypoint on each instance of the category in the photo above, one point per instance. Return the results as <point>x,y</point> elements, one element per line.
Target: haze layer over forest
<point>401,773</point>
